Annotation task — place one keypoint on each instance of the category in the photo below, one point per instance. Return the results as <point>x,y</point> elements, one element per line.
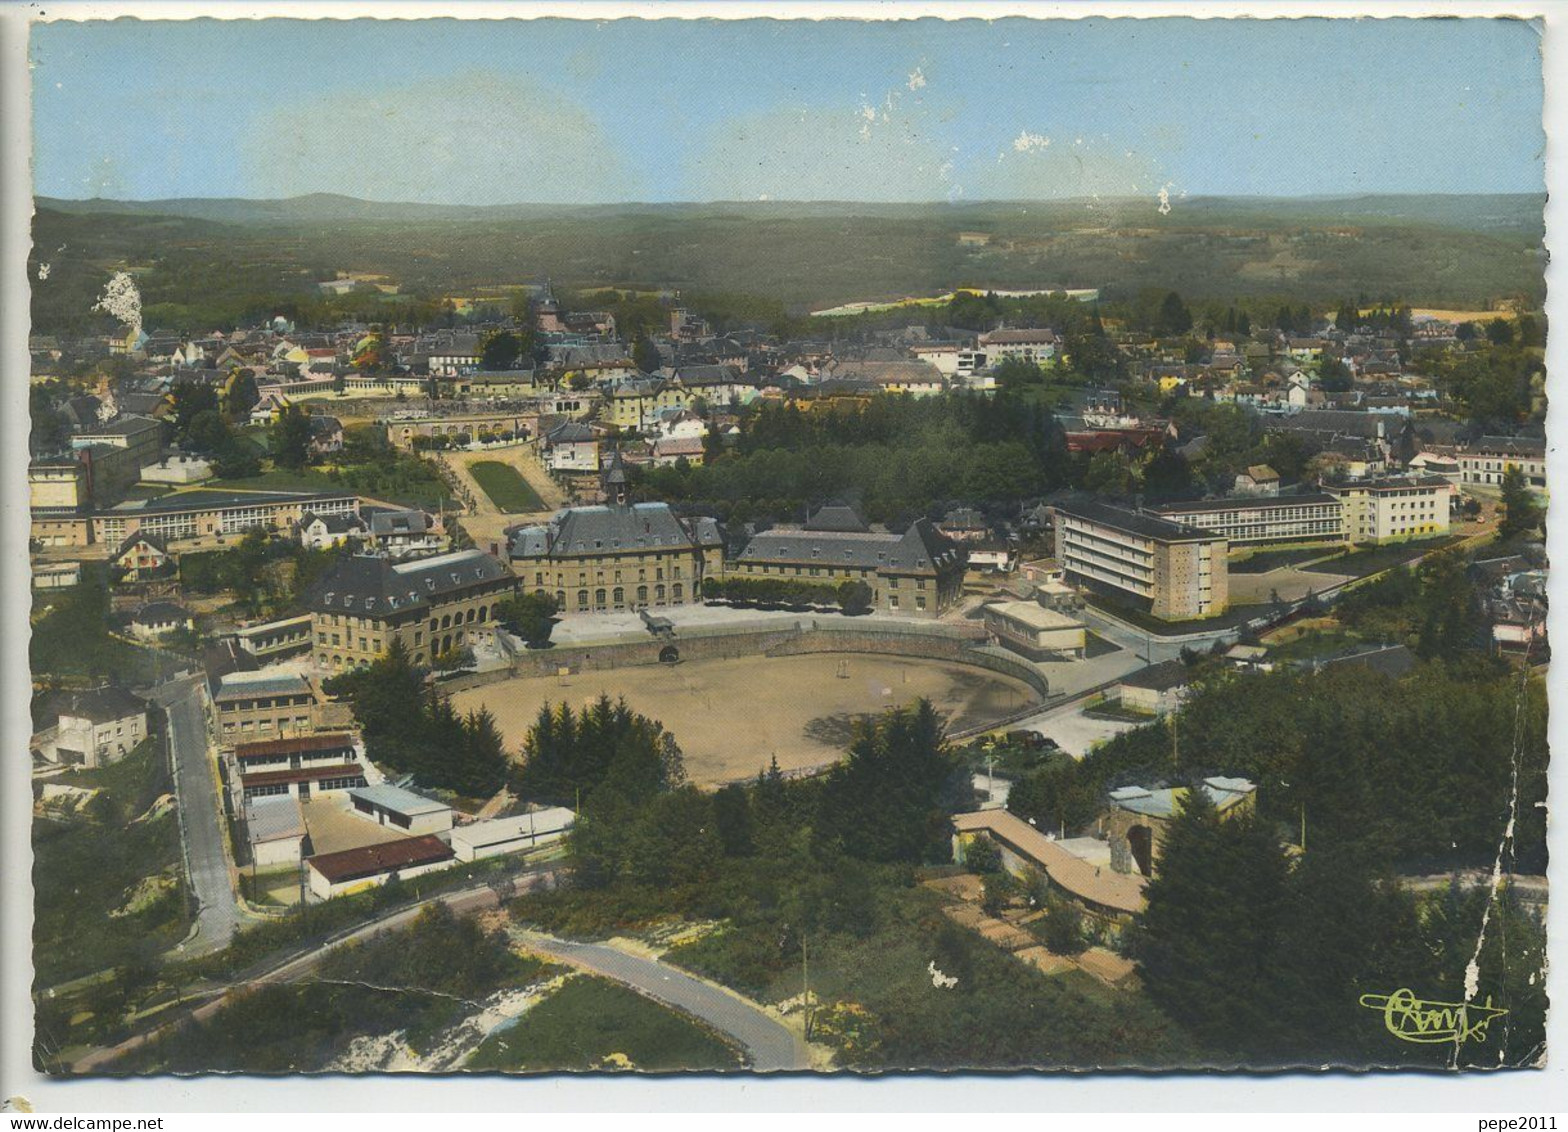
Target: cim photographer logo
<point>1411,1019</point>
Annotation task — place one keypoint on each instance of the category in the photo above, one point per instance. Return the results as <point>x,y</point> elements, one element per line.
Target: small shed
<point>512,834</point>
<point>401,809</point>
<point>275,828</point>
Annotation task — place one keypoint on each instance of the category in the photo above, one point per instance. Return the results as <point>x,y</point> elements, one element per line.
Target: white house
<point>93,728</point>
<point>401,809</point>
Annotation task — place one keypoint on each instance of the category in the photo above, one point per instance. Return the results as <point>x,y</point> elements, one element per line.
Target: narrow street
<point>770,1045</point>
<point>200,812</point>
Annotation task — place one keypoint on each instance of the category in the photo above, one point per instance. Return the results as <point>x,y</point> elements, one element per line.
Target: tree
<point>499,350</point>
<point>854,597</point>
<point>645,355</point>
<point>189,399</point>
<point>1334,375</point>
<point>1500,332</point>
<point>530,615</point>
<point>1174,319</point>
<point>1214,914</point>
<point>891,797</point>
<point>1520,514</point>
<point>290,437</point>
<point>1064,928</point>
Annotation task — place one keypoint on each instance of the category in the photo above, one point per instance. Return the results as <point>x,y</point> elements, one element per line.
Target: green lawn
<point>588,1020</point>
<point>1375,559</point>
<point>506,487</point>
<point>396,477</point>
<point>1140,619</point>
<point>1264,561</point>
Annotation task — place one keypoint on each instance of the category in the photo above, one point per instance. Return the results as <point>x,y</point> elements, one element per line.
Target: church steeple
<point>617,489</point>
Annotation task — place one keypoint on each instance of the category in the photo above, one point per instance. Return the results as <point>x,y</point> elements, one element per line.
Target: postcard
<point>855,546</point>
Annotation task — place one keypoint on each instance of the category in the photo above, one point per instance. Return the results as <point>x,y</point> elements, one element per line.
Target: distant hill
<point>211,262</point>
<point>1516,212</point>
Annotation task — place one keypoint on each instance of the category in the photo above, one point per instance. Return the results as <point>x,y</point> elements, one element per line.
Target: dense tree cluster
<point>900,455</point>
<point>411,731</point>
<point>850,596</point>
<point>1265,961</point>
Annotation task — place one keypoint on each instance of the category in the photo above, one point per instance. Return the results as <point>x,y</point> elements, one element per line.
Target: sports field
<point>731,717</point>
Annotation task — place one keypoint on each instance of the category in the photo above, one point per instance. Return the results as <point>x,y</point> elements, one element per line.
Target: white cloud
<point>1026,142</point>
<point>917,79</point>
<point>472,138</point>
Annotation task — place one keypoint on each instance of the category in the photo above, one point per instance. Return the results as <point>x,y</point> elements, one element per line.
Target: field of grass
<point>1375,559</point>
<point>1141,619</point>
<point>396,478</point>
<point>1264,561</point>
<point>506,487</point>
<point>588,1021</point>
<point>94,907</point>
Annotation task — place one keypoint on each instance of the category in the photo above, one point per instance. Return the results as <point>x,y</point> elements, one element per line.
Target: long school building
<point>1179,571</point>
<point>1257,521</point>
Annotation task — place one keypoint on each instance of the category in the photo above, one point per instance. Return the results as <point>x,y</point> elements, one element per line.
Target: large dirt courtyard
<point>731,717</point>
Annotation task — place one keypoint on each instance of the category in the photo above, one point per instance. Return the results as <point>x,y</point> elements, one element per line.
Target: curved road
<point>770,1045</point>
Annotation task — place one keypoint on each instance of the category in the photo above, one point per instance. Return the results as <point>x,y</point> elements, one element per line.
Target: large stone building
<point>1486,460</point>
<point>433,605</point>
<point>917,573</point>
<point>619,555</point>
<point>1178,571</point>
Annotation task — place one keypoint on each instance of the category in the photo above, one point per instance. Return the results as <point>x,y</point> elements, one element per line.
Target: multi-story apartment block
<point>1392,510</point>
<point>1178,570</point>
<point>1260,520</point>
<point>432,605</point>
<point>203,514</point>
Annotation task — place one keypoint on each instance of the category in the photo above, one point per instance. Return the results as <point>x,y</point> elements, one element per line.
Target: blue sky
<point>560,111</point>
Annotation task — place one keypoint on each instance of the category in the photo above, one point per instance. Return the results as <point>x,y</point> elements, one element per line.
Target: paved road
<point>201,815</point>
<point>461,901</point>
<point>770,1046</point>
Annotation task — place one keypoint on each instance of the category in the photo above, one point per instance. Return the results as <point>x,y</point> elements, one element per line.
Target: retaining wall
<point>927,642</point>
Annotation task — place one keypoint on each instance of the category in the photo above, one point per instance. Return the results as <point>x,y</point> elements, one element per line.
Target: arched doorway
<point>1140,840</point>
<point>669,654</point>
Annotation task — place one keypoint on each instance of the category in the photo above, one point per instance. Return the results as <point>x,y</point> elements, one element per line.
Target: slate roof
<point>919,550</point>
<point>101,705</point>
<point>374,586</point>
<point>160,613</point>
<point>608,528</point>
<point>1509,445</point>
<point>836,517</point>
<point>334,524</point>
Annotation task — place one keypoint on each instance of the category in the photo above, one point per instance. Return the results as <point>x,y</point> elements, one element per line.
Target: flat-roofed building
<point>1485,461</point>
<point>516,834</point>
<point>1261,520</point>
<point>1029,628</point>
<point>56,575</point>
<point>1178,570</point>
<point>401,809</point>
<point>432,605</point>
<point>1138,819</point>
<point>206,514</point>
<point>263,705</point>
<point>352,870</point>
<point>1396,509</point>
